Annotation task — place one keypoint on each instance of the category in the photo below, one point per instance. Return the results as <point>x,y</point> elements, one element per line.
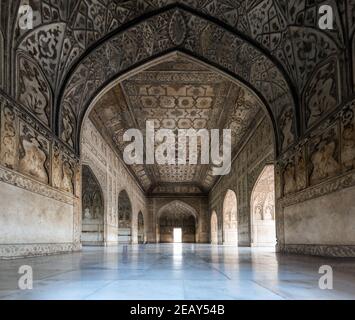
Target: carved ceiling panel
<point>178,93</point>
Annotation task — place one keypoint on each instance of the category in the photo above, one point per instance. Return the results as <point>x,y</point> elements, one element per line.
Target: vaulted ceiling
<point>177,93</point>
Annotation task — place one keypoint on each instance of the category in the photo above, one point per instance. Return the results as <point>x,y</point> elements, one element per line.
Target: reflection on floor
<point>175,271</point>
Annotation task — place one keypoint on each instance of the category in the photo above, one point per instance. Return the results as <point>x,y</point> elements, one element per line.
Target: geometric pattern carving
<point>203,38</point>
<point>177,93</point>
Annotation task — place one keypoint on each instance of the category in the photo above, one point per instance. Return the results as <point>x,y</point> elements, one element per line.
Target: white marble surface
<point>177,272</point>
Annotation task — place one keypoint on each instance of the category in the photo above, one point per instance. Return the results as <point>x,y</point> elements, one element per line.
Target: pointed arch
<point>92,209</point>
<point>262,206</point>
<point>214,228</point>
<point>231,53</point>
<point>177,214</point>
<point>230,218</point>
<point>124,205</point>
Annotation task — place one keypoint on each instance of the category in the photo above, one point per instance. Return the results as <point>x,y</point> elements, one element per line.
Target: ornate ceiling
<point>178,93</point>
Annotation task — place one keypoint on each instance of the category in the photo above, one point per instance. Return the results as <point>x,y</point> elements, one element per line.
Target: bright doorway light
<point>177,235</point>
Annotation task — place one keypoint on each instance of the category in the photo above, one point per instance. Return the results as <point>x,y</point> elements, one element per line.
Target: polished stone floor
<point>177,272</point>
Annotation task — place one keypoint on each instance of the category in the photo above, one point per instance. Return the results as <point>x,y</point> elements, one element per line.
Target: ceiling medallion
<point>177,28</point>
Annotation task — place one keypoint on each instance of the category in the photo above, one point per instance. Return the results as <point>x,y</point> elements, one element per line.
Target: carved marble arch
<point>93,207</point>
<point>262,209</point>
<point>230,218</point>
<point>177,214</point>
<point>180,205</point>
<point>182,31</point>
<point>214,228</point>
<point>124,210</point>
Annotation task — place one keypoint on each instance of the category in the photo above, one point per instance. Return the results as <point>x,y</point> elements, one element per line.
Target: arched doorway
<point>141,237</point>
<point>92,209</point>
<point>177,218</point>
<point>230,219</point>
<point>214,228</point>
<point>263,228</point>
<point>124,218</point>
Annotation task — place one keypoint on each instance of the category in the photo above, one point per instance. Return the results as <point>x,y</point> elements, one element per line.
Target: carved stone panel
<point>322,93</point>
<point>324,155</point>
<point>348,136</point>
<point>33,90</point>
<point>9,136</point>
<point>34,154</point>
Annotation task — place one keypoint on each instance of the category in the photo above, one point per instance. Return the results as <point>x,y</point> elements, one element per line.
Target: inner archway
<point>230,219</point>
<point>263,229</point>
<point>177,215</point>
<point>141,237</point>
<point>92,209</point>
<point>214,228</point>
<point>124,218</point>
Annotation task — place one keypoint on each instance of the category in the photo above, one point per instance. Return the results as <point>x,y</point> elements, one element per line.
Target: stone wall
<point>113,177</point>
<point>257,151</point>
<point>315,189</point>
<point>40,187</point>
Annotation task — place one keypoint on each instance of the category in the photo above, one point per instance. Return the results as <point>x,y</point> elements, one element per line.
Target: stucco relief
<point>348,137</point>
<point>69,124</point>
<point>63,169</point>
<point>44,45</point>
<point>322,93</point>
<point>33,90</point>
<point>34,154</point>
<point>300,169</point>
<point>272,31</point>
<point>9,136</point>
<point>324,155</point>
<point>2,59</point>
<point>287,128</point>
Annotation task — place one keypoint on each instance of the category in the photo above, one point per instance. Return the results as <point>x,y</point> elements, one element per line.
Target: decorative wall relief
<point>44,45</point>
<point>223,48</point>
<point>63,169</point>
<point>289,181</point>
<point>322,93</point>
<point>34,154</point>
<point>287,128</point>
<point>9,136</point>
<point>311,47</point>
<point>348,136</point>
<point>68,126</point>
<point>33,90</point>
<point>324,155</point>
<point>56,166</point>
<point>300,169</point>
<point>2,59</point>
<point>68,177</point>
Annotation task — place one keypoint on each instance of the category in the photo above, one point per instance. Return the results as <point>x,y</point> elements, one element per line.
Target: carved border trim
<point>12,251</point>
<point>18,180</point>
<point>336,251</point>
<point>330,186</point>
